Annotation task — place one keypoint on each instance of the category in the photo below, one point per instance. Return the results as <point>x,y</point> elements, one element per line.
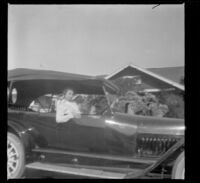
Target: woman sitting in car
<point>66,109</point>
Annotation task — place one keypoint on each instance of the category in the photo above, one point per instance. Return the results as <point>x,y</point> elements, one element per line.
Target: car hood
<point>149,125</point>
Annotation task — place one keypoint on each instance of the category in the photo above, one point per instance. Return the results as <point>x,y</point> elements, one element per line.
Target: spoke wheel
<point>15,157</point>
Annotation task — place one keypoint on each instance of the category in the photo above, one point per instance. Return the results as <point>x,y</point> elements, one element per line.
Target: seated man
<point>66,108</point>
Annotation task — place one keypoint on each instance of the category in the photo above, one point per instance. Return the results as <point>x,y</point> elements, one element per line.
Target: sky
<point>95,39</point>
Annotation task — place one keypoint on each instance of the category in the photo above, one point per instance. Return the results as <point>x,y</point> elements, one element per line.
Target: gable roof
<point>172,73</point>
<point>148,72</point>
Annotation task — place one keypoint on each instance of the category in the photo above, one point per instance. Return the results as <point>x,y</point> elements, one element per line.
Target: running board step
<point>76,171</point>
<point>89,155</point>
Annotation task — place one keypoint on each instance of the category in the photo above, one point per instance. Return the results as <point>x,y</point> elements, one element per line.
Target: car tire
<point>15,157</point>
<point>178,171</point>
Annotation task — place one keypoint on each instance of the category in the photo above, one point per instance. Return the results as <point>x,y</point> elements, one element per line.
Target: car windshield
<point>92,104</point>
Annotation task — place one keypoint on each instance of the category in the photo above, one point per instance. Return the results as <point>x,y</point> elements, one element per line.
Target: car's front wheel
<point>15,157</point>
<point>178,171</point>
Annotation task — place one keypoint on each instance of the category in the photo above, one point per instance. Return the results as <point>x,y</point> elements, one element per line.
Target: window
<point>138,81</point>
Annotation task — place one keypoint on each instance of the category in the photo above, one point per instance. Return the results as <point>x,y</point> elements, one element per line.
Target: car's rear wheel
<point>178,171</point>
<point>15,157</point>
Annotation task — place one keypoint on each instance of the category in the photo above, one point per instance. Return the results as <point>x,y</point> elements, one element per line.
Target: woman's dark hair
<point>67,89</point>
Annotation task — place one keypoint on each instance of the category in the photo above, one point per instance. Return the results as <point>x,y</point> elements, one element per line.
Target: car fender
<point>163,158</point>
<point>22,132</point>
<point>173,152</point>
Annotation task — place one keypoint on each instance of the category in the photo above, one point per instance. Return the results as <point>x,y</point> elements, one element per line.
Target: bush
<point>133,103</point>
<point>162,104</point>
<point>175,103</point>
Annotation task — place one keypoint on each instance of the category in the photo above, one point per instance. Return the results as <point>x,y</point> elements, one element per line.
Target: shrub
<point>146,105</point>
<point>175,103</point>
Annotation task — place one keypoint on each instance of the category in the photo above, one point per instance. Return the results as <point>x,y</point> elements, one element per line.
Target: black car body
<point>107,145</point>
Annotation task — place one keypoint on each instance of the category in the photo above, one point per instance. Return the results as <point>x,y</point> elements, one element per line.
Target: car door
<point>86,134</point>
<point>45,128</point>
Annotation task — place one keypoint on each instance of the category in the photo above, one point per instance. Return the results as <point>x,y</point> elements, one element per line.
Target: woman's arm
<point>62,113</point>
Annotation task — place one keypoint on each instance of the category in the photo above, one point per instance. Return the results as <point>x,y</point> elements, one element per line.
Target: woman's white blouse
<point>66,110</point>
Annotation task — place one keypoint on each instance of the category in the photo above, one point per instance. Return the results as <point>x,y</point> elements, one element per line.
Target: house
<point>152,79</point>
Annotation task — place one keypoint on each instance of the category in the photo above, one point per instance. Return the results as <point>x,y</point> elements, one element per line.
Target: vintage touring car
<point>102,145</point>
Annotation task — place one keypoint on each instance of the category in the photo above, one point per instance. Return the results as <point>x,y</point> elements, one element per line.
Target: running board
<point>76,171</point>
<point>90,155</point>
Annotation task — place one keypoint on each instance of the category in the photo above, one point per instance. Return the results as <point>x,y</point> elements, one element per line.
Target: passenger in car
<point>79,100</point>
<point>66,109</point>
<point>93,110</point>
